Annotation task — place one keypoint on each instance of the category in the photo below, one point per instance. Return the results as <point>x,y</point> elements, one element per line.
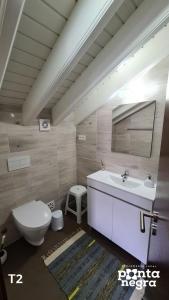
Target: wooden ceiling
<point>41,24</point>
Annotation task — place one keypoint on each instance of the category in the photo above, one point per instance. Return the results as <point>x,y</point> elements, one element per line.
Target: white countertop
<point>141,190</point>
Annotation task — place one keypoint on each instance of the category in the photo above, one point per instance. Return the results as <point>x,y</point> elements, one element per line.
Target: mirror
<point>132,128</point>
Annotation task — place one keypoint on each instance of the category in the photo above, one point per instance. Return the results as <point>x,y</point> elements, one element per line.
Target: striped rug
<point>85,270</point>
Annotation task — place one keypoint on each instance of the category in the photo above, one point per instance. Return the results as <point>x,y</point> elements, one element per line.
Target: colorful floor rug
<point>85,270</point>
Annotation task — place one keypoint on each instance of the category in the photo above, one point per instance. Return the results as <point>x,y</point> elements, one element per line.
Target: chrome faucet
<point>125,175</point>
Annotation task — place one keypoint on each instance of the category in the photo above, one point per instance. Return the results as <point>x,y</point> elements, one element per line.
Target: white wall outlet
<point>51,205</point>
<point>81,137</point>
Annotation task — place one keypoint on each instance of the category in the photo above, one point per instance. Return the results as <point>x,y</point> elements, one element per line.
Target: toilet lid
<point>33,214</point>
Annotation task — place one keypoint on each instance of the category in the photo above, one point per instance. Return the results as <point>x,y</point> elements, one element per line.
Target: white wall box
<point>18,162</point>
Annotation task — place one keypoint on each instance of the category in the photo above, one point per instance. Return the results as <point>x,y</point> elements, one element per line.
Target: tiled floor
<point>25,259</point>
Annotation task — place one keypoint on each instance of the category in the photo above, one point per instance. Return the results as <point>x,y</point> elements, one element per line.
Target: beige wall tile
<point>52,170</point>
<point>86,167</point>
<point>89,156</point>
<point>4,144</point>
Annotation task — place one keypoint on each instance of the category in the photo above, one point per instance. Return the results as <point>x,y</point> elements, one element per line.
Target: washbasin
<point>113,183</point>
<point>127,183</point>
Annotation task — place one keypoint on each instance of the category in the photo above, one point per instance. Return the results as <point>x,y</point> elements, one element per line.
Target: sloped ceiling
<point>41,24</point>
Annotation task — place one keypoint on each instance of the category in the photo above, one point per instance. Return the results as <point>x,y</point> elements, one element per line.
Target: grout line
<point>72,81</point>
<point>36,41</point>
<point>27,52</point>
<point>11,90</point>
<point>120,19</point>
<point>110,34</point>
<point>67,87</point>
<point>10,97</point>
<point>54,9</point>
<point>89,54</point>
<point>18,62</point>
<point>19,83</point>
<point>59,93</point>
<point>43,25</point>
<point>101,47</point>
<point>134,4</point>
<point>27,76</point>
<point>82,64</point>
<point>97,43</point>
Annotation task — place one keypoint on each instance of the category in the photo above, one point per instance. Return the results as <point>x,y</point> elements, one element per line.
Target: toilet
<point>32,220</point>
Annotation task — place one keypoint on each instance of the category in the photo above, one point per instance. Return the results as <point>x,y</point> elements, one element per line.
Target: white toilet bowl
<point>32,220</point>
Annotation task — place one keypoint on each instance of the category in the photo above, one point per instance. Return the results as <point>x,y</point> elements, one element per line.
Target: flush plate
<point>18,162</point>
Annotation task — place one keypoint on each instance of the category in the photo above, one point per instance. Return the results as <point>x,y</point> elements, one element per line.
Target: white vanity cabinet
<point>100,212</point>
<point>126,229</point>
<point>119,221</point>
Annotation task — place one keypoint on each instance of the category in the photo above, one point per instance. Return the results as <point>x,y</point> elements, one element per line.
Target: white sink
<point>114,184</point>
<point>127,183</point>
<point>114,210</point>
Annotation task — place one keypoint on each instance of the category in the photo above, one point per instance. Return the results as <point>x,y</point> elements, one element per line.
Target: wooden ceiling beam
<point>154,51</point>
<point>142,24</point>
<point>87,20</point>
<point>11,18</point>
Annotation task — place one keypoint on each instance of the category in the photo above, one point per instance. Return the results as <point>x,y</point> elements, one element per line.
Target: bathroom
<point>84,149</point>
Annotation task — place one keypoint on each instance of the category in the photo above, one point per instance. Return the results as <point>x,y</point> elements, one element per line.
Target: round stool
<point>77,191</point>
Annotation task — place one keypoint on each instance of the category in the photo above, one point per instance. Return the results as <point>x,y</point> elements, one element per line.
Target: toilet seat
<point>32,215</point>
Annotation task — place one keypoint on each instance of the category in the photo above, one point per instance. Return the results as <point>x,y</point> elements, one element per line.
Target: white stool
<point>77,191</point>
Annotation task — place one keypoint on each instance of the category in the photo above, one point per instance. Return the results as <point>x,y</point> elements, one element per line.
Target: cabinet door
<point>100,212</point>
<point>126,230</point>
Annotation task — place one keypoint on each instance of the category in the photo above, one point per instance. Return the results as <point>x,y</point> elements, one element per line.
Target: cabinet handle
<point>154,216</point>
<point>142,222</point>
